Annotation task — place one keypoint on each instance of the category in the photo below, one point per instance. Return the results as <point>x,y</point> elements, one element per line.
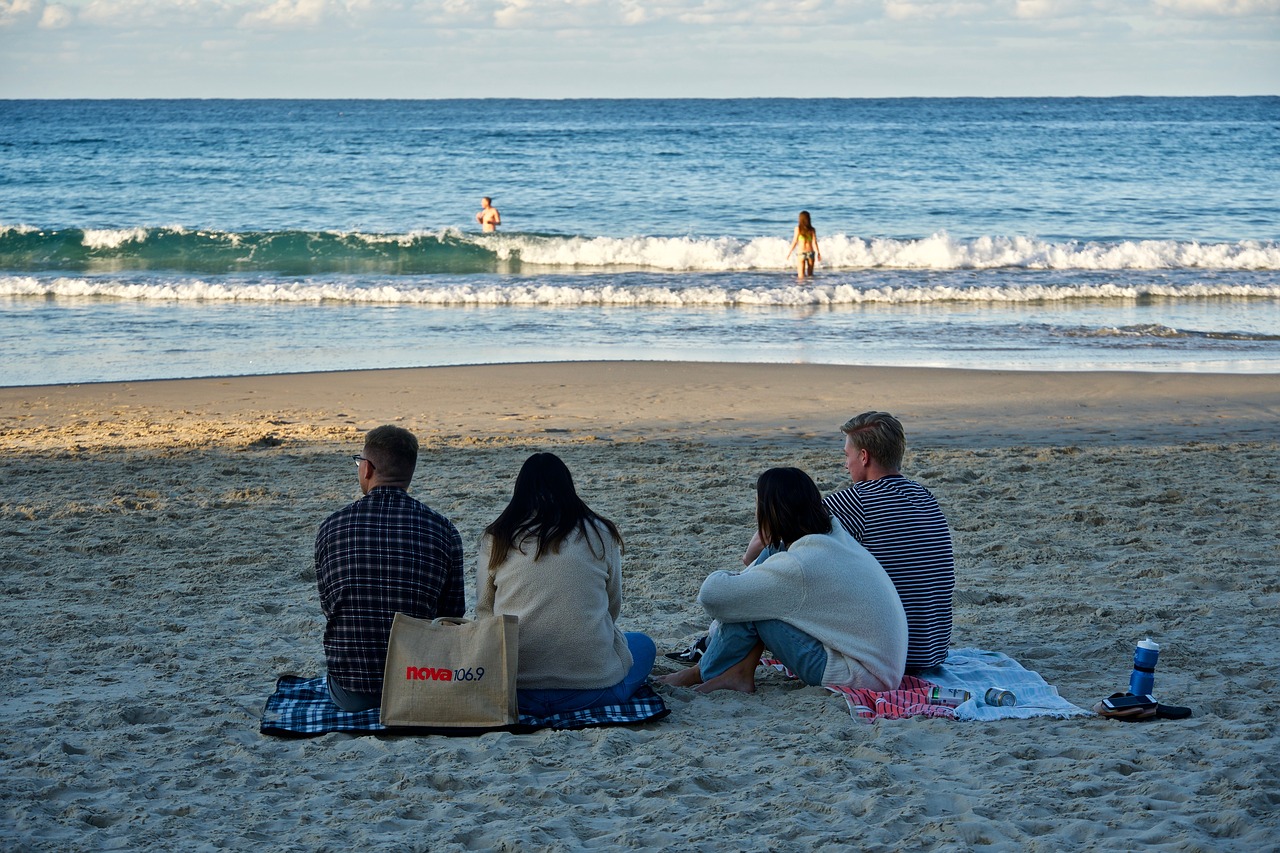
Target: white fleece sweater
<point>567,603</point>
<point>830,587</point>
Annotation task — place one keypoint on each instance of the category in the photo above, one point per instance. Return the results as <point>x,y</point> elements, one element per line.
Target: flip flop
<point>1140,712</point>
<point>1128,714</point>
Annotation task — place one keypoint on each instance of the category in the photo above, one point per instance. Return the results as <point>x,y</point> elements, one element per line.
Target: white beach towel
<point>976,670</point>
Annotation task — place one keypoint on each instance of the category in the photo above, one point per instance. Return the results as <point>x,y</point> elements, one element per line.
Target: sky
<point>636,48</point>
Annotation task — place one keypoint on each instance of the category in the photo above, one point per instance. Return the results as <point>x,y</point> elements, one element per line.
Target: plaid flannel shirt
<point>384,553</point>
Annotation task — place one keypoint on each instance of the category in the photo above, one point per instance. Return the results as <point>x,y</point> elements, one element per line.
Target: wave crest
<point>705,293</point>
<point>28,249</point>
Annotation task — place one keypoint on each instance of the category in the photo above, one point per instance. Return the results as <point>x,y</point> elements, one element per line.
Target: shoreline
<point>645,401</point>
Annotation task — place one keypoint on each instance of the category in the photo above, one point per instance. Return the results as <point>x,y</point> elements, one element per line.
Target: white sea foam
<point>113,238</point>
<point>840,252</point>
<point>704,293</point>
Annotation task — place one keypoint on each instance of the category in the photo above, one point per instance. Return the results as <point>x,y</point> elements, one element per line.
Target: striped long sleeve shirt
<point>901,524</point>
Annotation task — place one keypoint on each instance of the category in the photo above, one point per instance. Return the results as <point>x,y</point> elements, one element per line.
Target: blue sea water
<point>150,239</point>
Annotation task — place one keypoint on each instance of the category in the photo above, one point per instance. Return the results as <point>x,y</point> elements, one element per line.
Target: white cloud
<point>599,47</point>
<point>288,14</point>
<point>1031,9</point>
<point>1093,10</point>
<point>761,13</point>
<point>55,17</point>
<point>14,12</point>
<point>587,14</point>
<point>932,10</point>
<point>151,14</point>
<point>46,16</point>
<point>1219,8</point>
<point>207,14</point>
<point>609,14</point>
<point>515,13</point>
<point>633,13</point>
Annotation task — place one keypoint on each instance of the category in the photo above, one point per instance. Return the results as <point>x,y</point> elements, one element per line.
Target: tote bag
<point>451,672</point>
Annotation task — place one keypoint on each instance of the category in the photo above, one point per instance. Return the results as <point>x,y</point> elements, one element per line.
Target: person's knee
<point>644,651</point>
<point>641,645</point>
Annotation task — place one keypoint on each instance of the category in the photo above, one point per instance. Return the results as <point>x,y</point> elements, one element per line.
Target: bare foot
<point>740,677</point>
<point>732,679</point>
<point>690,677</point>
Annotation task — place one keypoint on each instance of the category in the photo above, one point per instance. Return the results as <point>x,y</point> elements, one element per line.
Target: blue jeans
<point>769,551</point>
<point>544,702</point>
<point>731,644</point>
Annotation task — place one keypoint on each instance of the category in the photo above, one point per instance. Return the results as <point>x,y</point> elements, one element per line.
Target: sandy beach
<point>157,577</point>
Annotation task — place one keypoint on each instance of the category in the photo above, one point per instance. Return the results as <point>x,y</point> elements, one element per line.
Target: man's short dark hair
<point>393,451</point>
<point>880,434</point>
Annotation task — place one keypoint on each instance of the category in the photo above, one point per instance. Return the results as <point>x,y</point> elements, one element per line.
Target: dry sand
<point>155,552</point>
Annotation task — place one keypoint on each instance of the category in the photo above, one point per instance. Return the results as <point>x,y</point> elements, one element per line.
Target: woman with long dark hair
<point>821,604</point>
<point>557,565</point>
<point>805,240</point>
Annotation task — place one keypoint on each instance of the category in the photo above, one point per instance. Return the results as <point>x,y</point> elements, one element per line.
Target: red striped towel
<point>911,699</point>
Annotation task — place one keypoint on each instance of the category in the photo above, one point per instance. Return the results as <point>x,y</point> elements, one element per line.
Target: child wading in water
<point>806,240</point>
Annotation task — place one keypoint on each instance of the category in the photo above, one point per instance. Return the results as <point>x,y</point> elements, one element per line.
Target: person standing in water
<point>806,241</point>
<point>488,217</point>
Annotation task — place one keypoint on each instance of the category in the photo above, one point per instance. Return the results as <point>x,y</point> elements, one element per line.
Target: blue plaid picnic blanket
<point>301,707</point>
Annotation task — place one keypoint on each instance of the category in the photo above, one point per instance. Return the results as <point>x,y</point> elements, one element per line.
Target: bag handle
<point>450,620</point>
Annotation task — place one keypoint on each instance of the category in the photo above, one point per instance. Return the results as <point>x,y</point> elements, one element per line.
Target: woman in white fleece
<point>822,604</point>
<point>555,564</point>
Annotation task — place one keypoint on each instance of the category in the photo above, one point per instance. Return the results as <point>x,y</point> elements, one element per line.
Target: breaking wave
<point>644,290</point>
<point>28,249</point>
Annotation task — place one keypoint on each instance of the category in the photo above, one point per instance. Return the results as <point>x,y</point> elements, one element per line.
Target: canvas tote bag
<point>451,672</point>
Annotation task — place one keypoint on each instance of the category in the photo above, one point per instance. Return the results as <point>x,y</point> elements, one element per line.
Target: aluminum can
<point>948,696</point>
<point>999,696</point>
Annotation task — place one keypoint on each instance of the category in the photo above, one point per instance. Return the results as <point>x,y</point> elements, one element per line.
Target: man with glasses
<point>384,553</point>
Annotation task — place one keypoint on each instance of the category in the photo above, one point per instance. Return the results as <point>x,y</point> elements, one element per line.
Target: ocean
<point>166,239</point>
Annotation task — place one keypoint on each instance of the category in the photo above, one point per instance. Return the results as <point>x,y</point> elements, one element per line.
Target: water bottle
<point>1143,679</point>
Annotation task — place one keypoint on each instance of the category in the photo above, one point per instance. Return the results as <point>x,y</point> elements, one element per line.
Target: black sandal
<point>1142,712</point>
<point>691,655</point>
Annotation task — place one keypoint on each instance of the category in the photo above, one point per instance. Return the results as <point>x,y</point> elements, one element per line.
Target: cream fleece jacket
<point>567,603</point>
<point>830,587</point>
